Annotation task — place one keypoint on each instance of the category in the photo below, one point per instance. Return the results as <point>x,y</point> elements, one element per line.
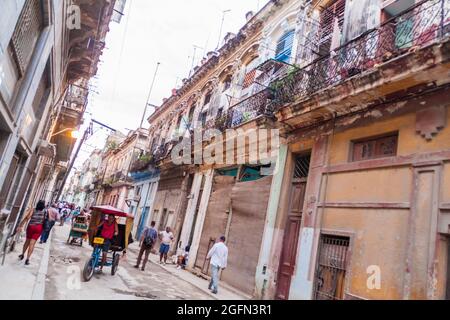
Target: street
<point>64,277</point>
<point>55,273</point>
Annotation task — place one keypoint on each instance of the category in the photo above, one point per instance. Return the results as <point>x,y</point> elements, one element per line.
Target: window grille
<point>26,33</point>
<point>302,164</point>
<point>331,267</point>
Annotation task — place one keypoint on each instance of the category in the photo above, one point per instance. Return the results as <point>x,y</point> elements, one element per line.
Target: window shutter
<point>327,18</point>
<point>26,33</point>
<point>284,46</point>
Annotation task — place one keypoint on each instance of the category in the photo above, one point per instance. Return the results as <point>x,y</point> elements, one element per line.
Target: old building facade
<point>46,61</point>
<point>354,204</point>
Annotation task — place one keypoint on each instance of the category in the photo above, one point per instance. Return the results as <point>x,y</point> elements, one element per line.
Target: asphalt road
<point>64,277</point>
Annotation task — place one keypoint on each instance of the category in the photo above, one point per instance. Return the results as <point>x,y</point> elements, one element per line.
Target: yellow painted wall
<point>410,141</point>
<point>380,185</point>
<point>379,238</point>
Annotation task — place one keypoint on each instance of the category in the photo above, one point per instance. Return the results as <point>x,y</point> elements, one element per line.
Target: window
<point>331,267</point>
<point>138,190</point>
<point>302,164</point>
<point>191,115</point>
<point>9,75</point>
<point>202,118</point>
<point>284,47</point>
<point>333,12</point>
<point>372,148</point>
<point>219,113</point>
<point>227,83</point>
<point>26,33</point>
<point>207,98</point>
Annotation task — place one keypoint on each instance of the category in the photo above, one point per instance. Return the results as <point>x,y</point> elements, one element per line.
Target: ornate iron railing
<point>244,111</point>
<point>76,98</point>
<point>422,24</point>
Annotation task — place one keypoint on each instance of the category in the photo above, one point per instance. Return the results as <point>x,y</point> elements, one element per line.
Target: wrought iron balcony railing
<point>422,24</point>
<point>245,110</point>
<point>76,98</point>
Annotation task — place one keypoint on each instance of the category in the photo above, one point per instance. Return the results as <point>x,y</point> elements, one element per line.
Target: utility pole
<point>221,28</point>
<point>138,131</point>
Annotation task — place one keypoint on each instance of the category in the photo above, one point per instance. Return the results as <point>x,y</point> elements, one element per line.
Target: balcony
<point>244,111</point>
<point>421,25</point>
<point>75,100</point>
<point>141,163</point>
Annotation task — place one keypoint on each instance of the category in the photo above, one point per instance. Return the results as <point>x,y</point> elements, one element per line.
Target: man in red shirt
<point>109,231</point>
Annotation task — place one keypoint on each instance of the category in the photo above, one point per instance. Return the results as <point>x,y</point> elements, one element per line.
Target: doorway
<point>292,228</point>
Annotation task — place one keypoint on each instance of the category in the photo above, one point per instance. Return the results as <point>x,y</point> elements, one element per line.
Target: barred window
<point>27,32</point>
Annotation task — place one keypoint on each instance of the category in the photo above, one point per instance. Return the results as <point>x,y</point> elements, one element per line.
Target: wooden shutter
<point>327,16</point>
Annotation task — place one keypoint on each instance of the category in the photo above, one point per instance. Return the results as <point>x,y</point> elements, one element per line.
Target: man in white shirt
<point>166,239</point>
<point>218,255</point>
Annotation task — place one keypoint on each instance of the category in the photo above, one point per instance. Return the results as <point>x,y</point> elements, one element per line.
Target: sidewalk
<point>225,292</point>
<point>21,282</point>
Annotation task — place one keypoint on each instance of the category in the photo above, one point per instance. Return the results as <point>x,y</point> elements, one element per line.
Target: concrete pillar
<point>190,211</point>
<point>201,218</point>
<point>263,274</point>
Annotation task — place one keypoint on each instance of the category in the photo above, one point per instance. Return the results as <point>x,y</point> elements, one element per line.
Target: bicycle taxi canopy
<point>125,225</point>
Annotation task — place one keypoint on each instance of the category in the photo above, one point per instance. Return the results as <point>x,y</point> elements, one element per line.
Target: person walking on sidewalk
<point>148,239</point>
<point>219,256</point>
<point>36,219</point>
<point>166,239</point>
<point>53,216</point>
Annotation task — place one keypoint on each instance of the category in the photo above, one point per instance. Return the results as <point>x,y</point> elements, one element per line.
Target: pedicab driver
<point>109,231</point>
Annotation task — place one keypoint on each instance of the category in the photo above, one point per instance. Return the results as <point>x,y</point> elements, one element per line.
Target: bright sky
<point>151,32</point>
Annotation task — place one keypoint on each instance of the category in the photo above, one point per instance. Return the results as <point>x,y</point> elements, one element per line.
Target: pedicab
<point>119,243</point>
<point>78,230</point>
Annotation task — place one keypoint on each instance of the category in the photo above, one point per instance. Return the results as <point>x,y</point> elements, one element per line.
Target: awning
<point>111,210</point>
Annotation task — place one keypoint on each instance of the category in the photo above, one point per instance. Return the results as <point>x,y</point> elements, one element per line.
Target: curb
<point>39,286</point>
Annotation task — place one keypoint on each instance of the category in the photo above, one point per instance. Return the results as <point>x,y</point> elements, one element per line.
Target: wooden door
<point>290,241</point>
<point>293,225</point>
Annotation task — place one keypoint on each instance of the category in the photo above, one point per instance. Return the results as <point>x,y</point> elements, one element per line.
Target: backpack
<point>149,239</point>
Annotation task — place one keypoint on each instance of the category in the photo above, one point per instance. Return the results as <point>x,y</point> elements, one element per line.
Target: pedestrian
<point>166,237</point>
<point>182,262</point>
<point>53,216</point>
<point>35,219</point>
<point>148,239</point>
<point>59,207</point>
<point>218,255</point>
<point>109,230</point>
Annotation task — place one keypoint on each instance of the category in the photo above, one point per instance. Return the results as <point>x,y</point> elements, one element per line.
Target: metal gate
<point>331,267</point>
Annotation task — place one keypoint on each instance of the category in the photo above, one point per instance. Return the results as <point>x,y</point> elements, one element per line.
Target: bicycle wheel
<point>88,270</point>
<point>115,264</point>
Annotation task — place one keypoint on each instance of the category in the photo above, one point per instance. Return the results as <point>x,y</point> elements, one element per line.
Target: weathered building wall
<point>388,207</point>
